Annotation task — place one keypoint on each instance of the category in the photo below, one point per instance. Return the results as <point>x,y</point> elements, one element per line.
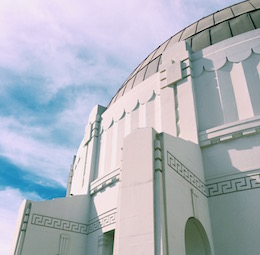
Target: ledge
<point>229,132</point>
<point>105,181</point>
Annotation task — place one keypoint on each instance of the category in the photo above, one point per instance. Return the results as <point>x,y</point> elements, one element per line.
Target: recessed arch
<point>196,240</point>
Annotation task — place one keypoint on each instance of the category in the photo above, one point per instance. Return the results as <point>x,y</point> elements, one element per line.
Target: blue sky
<point>58,59</point>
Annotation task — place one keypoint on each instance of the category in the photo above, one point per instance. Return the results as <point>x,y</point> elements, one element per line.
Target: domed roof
<point>231,21</point>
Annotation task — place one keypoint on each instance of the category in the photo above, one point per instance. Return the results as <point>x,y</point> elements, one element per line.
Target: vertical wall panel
<point>134,119</point>
<point>114,144</point>
<point>241,92</point>
<point>253,81</point>
<point>209,106</point>
<point>121,126</point>
<point>102,154</point>
<point>227,93</point>
<point>109,148</point>
<point>142,115</point>
<point>150,109</point>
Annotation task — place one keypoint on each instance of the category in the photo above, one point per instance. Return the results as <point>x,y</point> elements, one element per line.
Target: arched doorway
<point>196,240</point>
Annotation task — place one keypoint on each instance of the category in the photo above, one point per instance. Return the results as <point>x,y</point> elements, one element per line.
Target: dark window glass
<point>140,76</point>
<point>120,92</point>
<point>152,67</point>
<point>241,24</point>
<point>220,32</point>
<point>161,49</point>
<point>256,18</point>
<point>147,60</point>
<point>201,40</point>
<point>129,84</point>
<point>135,71</point>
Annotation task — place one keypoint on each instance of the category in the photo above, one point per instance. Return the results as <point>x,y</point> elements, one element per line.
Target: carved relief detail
<point>64,244</point>
<point>214,189</point>
<point>184,172</point>
<point>71,226</point>
<point>234,185</point>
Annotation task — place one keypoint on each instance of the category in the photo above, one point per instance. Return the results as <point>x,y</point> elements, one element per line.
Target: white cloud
<point>46,159</point>
<point>46,38</point>
<point>33,147</point>
<point>78,43</point>
<point>10,201</point>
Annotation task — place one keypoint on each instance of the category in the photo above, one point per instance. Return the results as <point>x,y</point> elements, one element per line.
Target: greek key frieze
<point>102,222</point>
<point>184,172</point>
<point>214,189</point>
<point>234,185</point>
<point>71,226</point>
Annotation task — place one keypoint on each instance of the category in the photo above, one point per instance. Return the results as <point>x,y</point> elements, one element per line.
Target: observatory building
<point>172,164</point>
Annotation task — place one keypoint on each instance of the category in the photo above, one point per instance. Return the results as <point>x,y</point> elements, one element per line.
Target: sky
<point>58,59</point>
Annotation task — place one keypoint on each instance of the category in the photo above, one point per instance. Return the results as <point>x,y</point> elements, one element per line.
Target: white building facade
<point>172,165</point>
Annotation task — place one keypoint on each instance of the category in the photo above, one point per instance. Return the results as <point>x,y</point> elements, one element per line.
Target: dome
<point>167,168</point>
<point>221,25</point>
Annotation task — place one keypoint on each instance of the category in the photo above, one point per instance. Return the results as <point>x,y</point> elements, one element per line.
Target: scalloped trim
<point>120,113</point>
<point>214,64</point>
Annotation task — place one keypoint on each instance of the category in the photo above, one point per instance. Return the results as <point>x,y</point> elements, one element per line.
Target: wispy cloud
<point>46,159</point>
<point>60,58</point>
<point>57,60</point>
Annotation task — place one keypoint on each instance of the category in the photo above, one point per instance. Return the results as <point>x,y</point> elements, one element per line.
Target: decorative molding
<point>229,132</point>
<point>64,244</point>
<point>72,226</point>
<point>177,116</point>
<point>233,53</point>
<point>174,72</point>
<point>102,222</point>
<point>95,127</point>
<point>186,67</point>
<point>26,216</point>
<point>244,183</point>
<point>230,136</point>
<point>118,112</point>
<point>184,172</point>
<point>157,156</point>
<point>234,185</point>
<point>92,130</point>
<point>61,224</point>
<point>105,181</point>
<point>23,227</point>
<point>195,206</point>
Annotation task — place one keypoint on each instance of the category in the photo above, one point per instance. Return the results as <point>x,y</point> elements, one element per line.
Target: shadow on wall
<point>232,178</point>
<point>227,89</point>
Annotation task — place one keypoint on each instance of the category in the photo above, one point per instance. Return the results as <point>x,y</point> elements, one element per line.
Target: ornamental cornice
<point>229,132</point>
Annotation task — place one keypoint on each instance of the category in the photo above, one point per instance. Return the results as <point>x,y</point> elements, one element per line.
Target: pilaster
<point>177,94</point>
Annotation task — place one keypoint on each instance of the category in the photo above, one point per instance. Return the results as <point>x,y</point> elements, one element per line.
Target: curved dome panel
<point>219,26</point>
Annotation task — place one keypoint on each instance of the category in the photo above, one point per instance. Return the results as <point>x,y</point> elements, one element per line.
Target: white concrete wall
<point>226,80</point>
<point>235,222</point>
<point>232,157</point>
<point>55,226</point>
<point>211,99</point>
<point>185,190</point>
<point>138,108</point>
<point>86,162</point>
<point>227,87</point>
<point>135,227</point>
